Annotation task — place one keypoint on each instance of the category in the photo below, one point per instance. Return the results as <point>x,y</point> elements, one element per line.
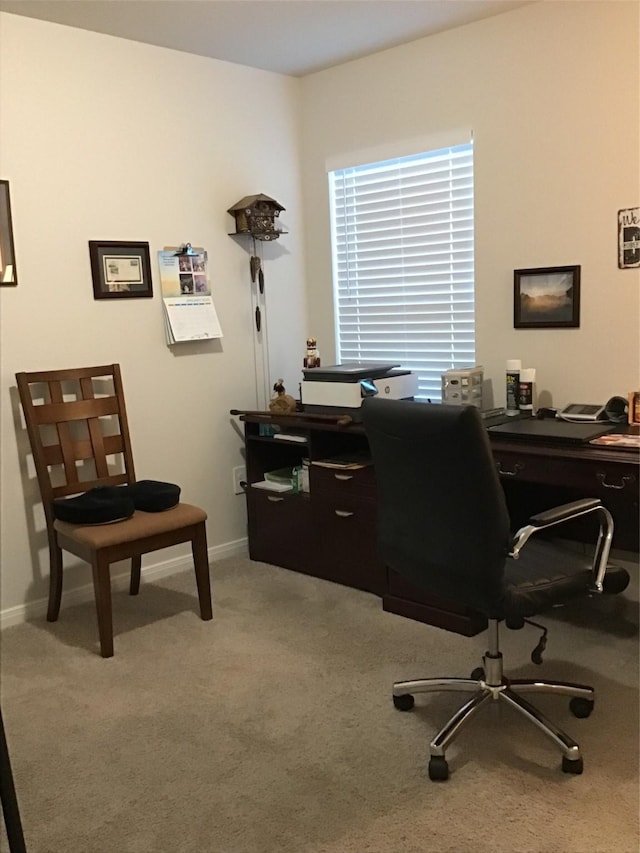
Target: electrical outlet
<point>239,476</point>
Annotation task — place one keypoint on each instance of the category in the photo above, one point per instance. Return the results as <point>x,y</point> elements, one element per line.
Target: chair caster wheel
<point>438,768</point>
<point>478,674</point>
<point>580,707</point>
<point>404,702</point>
<point>569,766</point>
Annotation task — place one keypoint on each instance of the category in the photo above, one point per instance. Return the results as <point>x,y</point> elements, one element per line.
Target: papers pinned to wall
<point>189,311</point>
<point>191,319</point>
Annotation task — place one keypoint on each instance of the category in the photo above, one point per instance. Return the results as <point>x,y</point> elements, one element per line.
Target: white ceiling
<point>295,37</point>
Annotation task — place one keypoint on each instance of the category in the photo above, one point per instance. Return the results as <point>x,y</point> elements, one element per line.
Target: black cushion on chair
<point>105,504</point>
<point>153,495</point>
<point>101,505</point>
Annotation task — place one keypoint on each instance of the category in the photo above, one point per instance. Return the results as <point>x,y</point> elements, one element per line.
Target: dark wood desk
<point>536,475</point>
<point>331,531</point>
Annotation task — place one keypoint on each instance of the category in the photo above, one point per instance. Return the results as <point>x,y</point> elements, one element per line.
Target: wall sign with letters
<point>629,238</point>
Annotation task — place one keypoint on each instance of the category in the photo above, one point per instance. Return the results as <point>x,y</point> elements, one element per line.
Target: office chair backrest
<point>77,425</point>
<point>442,520</point>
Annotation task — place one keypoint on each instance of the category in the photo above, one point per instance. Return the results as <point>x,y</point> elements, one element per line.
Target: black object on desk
<point>350,371</point>
<point>557,430</point>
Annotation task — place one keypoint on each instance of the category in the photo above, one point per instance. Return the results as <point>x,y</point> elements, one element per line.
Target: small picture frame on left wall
<point>8,274</point>
<point>120,270</point>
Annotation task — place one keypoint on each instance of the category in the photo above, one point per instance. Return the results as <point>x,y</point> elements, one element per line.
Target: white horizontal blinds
<point>403,263</point>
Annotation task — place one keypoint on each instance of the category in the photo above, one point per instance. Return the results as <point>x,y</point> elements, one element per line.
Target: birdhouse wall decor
<point>255,215</point>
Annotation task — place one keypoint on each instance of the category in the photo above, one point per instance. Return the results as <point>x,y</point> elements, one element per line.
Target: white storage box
<point>463,387</point>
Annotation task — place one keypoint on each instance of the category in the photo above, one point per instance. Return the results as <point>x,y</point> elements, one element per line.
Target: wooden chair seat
<point>79,434</point>
<point>140,526</point>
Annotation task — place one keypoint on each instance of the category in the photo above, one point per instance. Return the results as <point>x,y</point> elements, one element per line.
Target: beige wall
<point>551,93</point>
<point>103,138</point>
<point>107,139</point>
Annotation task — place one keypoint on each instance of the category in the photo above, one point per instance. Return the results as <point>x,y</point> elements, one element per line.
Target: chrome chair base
<point>492,685</point>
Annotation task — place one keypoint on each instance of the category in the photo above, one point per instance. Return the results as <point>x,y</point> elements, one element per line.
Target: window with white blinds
<point>402,236</point>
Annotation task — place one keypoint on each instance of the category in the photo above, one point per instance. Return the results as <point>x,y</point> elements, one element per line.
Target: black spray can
<point>513,382</point>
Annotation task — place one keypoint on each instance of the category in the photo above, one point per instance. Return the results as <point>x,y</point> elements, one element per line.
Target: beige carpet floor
<point>271,729</point>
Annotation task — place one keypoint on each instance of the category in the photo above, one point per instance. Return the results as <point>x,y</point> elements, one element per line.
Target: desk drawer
<point>534,482</point>
<point>348,547</point>
<point>532,469</point>
<point>281,530</point>
<point>593,477</point>
<point>354,482</point>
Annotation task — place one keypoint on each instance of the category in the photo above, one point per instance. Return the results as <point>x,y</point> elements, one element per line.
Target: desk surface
<point>545,444</point>
<point>557,446</point>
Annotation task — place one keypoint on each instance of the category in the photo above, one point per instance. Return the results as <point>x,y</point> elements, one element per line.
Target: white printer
<point>343,387</point>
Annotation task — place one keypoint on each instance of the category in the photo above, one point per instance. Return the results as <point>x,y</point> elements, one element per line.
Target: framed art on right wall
<point>546,298</point>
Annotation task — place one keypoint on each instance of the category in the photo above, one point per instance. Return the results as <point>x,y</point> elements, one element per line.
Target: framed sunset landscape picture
<point>546,298</point>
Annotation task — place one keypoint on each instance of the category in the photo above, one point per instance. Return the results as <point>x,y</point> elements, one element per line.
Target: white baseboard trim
<point>36,609</point>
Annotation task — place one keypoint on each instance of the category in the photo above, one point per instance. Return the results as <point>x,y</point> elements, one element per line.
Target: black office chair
<point>443,524</point>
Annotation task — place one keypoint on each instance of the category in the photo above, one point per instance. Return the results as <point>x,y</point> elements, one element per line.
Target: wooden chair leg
<point>102,589</point>
<point>134,585</point>
<point>201,565</point>
<point>55,581</point>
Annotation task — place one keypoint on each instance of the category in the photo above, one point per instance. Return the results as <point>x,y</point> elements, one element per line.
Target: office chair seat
<point>539,579</point>
<point>443,524</point>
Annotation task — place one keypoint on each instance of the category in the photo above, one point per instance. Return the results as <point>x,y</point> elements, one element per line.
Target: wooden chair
<point>82,443</point>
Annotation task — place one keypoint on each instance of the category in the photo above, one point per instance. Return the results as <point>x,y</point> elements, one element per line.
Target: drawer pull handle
<point>626,480</point>
<point>343,476</point>
<point>274,500</point>
<point>513,473</point>
<point>343,513</point>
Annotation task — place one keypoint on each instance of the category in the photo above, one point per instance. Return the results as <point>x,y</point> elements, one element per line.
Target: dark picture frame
<point>120,270</point>
<point>8,272</point>
<point>546,298</point>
